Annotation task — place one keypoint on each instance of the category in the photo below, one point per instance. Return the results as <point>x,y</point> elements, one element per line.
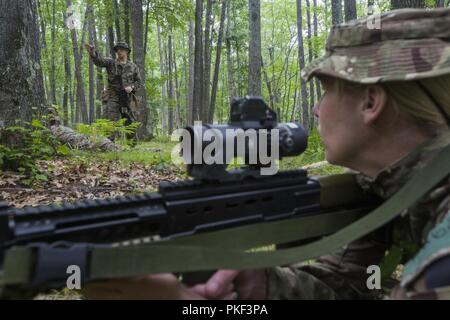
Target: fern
<point>103,128</point>
<point>22,146</point>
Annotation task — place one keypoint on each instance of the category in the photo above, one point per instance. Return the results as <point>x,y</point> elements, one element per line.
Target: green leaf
<point>63,150</point>
<point>391,261</point>
<point>41,177</point>
<point>37,124</point>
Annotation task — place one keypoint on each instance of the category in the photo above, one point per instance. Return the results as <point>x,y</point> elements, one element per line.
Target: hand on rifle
<point>90,48</point>
<point>154,287</point>
<point>234,284</point>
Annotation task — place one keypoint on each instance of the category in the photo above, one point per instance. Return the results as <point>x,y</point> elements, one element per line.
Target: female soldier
<point>385,113</point>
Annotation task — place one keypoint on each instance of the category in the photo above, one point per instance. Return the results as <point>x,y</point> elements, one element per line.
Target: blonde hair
<point>410,100</point>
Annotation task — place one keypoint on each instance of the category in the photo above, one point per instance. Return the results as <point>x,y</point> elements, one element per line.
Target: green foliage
<point>390,262</point>
<point>103,128</point>
<point>162,139</point>
<point>171,14</point>
<point>155,153</point>
<point>315,151</point>
<point>22,146</point>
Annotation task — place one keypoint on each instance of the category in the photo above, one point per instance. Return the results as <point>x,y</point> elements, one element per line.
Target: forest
<point>191,59</point>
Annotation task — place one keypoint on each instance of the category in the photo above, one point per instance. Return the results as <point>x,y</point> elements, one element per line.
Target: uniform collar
<point>392,178</point>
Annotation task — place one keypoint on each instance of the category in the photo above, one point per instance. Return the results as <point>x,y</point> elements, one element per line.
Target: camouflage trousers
<point>113,106</point>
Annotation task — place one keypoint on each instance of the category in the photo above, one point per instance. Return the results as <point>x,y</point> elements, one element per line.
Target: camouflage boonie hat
<point>122,45</point>
<point>408,44</point>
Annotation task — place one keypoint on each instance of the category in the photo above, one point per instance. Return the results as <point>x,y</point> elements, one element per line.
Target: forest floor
<point>93,175</point>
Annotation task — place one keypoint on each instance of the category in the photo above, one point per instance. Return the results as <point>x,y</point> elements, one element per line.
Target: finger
<point>219,282</point>
<point>226,294</point>
<point>199,289</point>
<point>161,277</point>
<point>231,296</point>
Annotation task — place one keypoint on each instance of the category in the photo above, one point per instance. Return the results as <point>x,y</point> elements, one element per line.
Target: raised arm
<point>98,60</point>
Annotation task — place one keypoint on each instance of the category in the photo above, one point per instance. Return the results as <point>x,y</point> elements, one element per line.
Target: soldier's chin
<point>330,158</point>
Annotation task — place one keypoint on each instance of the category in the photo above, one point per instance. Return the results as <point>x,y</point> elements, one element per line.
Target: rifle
<point>48,239</point>
<point>127,112</point>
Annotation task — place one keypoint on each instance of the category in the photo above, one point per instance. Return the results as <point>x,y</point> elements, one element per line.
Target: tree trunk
<point>350,10</point>
<point>285,70</point>
<point>117,20</point>
<point>310,56</point>
<point>294,105</point>
<point>274,93</point>
<point>81,101</point>
<point>269,86</point>
<point>207,63</point>
<point>73,90</point>
<point>399,4</point>
<point>84,31</point>
<point>177,91</point>
<point>43,45</point>
<point>336,12</point>
<point>126,20</point>
<point>440,3</point>
<point>162,64</point>
<point>147,10</point>
<point>190,94</point>
<point>67,82</point>
<point>231,93</point>
<point>40,17</point>
<point>52,58</point>
<point>111,41</point>
<point>187,82</point>
<point>198,63</point>
<point>217,64</point>
<point>237,47</point>
<point>318,93</point>
<point>91,28</point>
<point>100,85</point>
<point>145,131</point>
<point>22,87</point>
<point>171,86</point>
<point>301,62</point>
<point>254,82</point>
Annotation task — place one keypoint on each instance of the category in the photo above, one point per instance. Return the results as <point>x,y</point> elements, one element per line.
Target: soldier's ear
<point>374,104</point>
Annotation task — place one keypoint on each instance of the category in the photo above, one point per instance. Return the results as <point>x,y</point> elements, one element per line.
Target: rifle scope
<point>252,133</point>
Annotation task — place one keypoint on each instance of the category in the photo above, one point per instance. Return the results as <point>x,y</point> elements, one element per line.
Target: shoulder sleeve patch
<point>436,247</point>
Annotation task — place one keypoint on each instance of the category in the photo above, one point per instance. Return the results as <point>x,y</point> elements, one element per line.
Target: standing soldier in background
<point>123,82</point>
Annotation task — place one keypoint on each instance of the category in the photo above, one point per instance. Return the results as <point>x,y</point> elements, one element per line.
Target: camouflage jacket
<point>119,75</point>
<point>421,233</point>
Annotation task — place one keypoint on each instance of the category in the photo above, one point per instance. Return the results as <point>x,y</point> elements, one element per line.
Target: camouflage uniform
<point>411,45</point>
<point>119,76</point>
